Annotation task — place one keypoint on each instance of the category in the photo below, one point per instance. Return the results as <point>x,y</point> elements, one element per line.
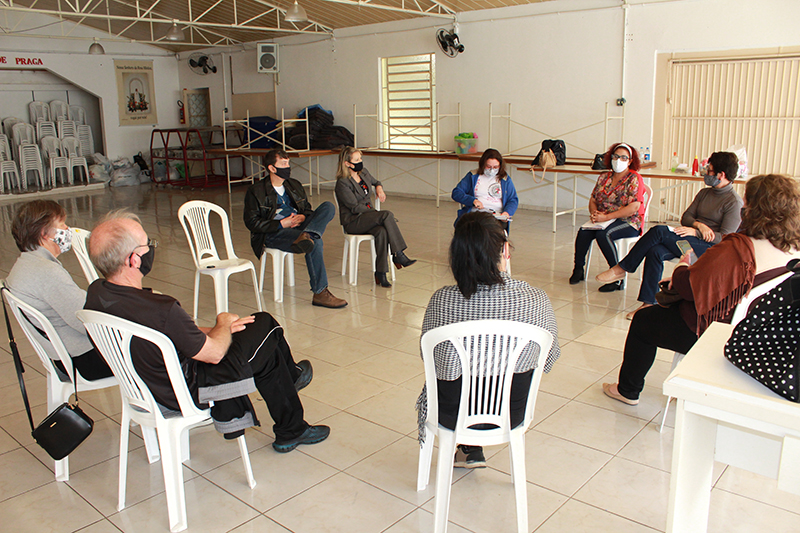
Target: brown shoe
<point>326,299</point>
<point>302,244</point>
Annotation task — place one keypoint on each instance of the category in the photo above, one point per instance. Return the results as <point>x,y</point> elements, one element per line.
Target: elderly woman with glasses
<point>616,211</point>
<point>38,279</point>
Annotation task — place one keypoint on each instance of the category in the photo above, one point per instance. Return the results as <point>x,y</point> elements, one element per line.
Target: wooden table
<point>725,415</point>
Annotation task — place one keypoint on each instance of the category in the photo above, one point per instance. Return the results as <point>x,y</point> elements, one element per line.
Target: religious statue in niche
<point>136,92</point>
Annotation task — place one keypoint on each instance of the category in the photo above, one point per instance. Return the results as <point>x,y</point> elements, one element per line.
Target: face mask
<point>711,180</point>
<point>618,165</point>
<point>283,173</point>
<point>358,166</point>
<point>147,261</point>
<point>491,172</point>
<point>63,238</point>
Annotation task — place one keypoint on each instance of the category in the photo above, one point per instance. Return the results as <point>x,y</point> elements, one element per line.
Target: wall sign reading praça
<point>21,61</point>
<point>137,103</point>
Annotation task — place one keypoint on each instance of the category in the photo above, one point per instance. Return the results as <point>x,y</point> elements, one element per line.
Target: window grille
<point>408,96</point>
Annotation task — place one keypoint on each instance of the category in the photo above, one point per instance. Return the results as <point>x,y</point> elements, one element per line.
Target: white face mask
<point>619,166</point>
<point>491,172</point>
<point>63,238</point>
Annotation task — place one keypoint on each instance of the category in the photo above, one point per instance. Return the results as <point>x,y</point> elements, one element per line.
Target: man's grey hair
<point>118,245</point>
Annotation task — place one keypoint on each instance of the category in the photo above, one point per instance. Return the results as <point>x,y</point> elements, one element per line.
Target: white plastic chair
<point>80,239</point>
<point>51,148</point>
<point>72,149</point>
<point>45,128</point>
<point>9,168</point>
<point>5,148</point>
<point>59,110</point>
<point>204,253</point>
<point>78,114</point>
<point>112,336</point>
<point>31,161</point>
<point>67,128</point>
<point>626,243</point>
<point>479,403</point>
<point>8,125</point>
<point>39,111</point>
<point>351,248</point>
<point>22,133</point>
<point>86,141</point>
<point>738,314</point>
<point>279,258</point>
<point>49,349</point>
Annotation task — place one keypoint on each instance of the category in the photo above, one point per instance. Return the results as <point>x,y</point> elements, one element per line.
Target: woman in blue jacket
<point>489,188</point>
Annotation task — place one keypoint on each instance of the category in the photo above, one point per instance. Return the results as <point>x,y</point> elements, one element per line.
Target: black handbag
<point>765,343</point>
<point>599,163</point>
<point>557,146</point>
<point>665,296</point>
<point>67,426</point>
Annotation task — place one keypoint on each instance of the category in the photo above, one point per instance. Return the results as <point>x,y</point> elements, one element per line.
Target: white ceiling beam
<point>445,12</point>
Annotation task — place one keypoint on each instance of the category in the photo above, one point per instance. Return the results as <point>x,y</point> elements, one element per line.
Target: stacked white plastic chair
<point>86,141</point>
<point>45,128</point>
<point>59,110</point>
<point>80,245</point>
<point>39,111</point>
<point>5,148</point>
<point>495,345</point>
<point>8,124</point>
<point>30,161</point>
<point>55,159</point>
<point>49,349</point>
<point>78,114</point>
<point>112,336</point>
<point>22,133</point>
<point>72,149</point>
<point>9,173</point>
<point>194,217</point>
<point>351,247</point>
<point>67,128</point>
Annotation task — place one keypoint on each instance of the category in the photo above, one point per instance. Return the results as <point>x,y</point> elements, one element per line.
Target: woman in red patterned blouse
<point>616,210</point>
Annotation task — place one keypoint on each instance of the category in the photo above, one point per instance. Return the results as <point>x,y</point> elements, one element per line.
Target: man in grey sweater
<point>715,211</point>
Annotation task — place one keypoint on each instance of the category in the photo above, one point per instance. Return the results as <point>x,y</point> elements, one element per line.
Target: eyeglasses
<point>620,157</point>
<point>151,243</point>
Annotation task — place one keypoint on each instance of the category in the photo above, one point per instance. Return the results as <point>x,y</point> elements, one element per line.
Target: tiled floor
<point>593,464</point>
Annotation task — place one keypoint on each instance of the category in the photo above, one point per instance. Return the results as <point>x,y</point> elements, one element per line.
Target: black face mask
<point>358,166</point>
<point>283,173</point>
<point>147,261</point>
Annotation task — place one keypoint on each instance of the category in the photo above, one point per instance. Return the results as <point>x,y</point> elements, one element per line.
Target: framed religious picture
<point>137,104</point>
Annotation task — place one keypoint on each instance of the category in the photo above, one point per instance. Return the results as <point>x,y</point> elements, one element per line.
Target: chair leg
<point>255,288</point>
<point>248,469</point>
<point>261,275</point>
<point>664,418</point>
<point>444,480</point>
<point>277,276</point>
<point>172,467</point>
<point>353,260</point>
<point>425,456</point>
<point>344,256</point>
<point>374,254</point>
<point>517,452</point>
<point>151,444</point>
<point>62,469</point>
<point>124,434</point>
<point>289,271</point>
<point>196,292</point>
<point>221,292</point>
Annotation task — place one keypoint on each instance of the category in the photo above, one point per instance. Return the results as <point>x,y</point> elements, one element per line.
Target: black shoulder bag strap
<point>20,369</point>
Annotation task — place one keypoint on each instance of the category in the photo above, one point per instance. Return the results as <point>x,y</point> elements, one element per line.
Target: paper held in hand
<point>597,225</point>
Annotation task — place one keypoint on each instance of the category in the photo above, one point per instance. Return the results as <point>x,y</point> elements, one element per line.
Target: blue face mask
<point>711,180</point>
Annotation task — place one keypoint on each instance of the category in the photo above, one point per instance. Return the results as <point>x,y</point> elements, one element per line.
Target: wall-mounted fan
<point>448,42</point>
<point>201,64</point>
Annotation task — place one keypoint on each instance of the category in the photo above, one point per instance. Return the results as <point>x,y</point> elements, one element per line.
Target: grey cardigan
<point>38,279</point>
<point>351,198</point>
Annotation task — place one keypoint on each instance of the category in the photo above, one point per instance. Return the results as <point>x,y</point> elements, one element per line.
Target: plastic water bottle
<point>674,165</point>
<point>647,154</point>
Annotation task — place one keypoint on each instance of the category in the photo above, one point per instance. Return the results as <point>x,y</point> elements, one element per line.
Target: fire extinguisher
<point>181,112</point>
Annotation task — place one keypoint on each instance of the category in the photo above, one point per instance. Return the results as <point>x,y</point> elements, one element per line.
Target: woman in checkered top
<point>478,254</point>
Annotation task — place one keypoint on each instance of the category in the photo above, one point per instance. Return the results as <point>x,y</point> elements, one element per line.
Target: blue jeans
<point>619,229</point>
<point>659,244</point>
<point>315,226</point>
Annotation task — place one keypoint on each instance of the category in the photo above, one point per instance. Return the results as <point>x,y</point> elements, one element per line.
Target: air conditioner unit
<point>267,54</point>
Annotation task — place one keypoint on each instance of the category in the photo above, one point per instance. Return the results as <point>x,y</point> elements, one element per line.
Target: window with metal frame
<point>753,101</point>
<point>408,96</point>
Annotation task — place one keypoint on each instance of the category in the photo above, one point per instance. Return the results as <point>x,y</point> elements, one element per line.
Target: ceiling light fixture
<point>96,49</point>
<point>296,13</point>
<point>175,33</point>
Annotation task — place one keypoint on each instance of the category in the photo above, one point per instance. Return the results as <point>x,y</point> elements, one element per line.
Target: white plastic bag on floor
<point>99,173</point>
<point>125,176</point>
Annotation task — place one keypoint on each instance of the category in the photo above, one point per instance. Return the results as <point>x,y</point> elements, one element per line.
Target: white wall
<point>68,59</point>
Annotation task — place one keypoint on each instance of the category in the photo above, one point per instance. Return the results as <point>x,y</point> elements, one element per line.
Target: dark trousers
<point>450,396</point>
<point>90,366</point>
<point>651,328</point>
<point>383,226</point>
<point>659,244</point>
<point>619,229</point>
<point>262,344</point>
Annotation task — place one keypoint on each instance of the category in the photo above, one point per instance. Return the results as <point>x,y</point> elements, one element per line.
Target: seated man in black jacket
<point>278,215</point>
